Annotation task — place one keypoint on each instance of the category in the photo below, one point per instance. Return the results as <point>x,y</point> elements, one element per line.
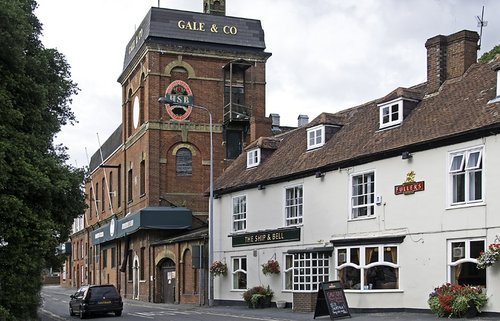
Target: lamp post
<point>165,100</point>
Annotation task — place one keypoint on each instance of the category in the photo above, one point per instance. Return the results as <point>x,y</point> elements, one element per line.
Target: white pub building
<point>393,197</point>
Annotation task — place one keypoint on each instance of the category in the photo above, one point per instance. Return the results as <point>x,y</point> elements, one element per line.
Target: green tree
<point>40,194</point>
<point>487,56</point>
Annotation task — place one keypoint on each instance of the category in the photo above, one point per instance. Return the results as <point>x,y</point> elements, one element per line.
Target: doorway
<point>168,276</point>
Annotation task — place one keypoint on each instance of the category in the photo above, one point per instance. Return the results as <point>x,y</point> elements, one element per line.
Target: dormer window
<point>497,98</point>
<point>391,113</point>
<point>253,157</point>
<point>315,137</point>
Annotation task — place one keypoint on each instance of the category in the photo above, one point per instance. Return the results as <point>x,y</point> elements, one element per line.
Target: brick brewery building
<point>146,223</point>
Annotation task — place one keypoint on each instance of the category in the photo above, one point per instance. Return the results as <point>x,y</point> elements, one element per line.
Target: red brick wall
<point>304,301</point>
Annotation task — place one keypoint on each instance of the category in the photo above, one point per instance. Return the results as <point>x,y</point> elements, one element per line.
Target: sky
<point>327,55</point>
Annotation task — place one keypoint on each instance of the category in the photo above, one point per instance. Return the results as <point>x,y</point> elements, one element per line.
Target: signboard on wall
<point>266,237</point>
<point>410,186</point>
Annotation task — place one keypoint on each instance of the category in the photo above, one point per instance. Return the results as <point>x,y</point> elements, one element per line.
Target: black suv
<point>96,299</point>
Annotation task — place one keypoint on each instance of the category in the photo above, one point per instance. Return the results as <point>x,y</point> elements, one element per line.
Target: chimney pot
<point>275,118</point>
<point>302,120</point>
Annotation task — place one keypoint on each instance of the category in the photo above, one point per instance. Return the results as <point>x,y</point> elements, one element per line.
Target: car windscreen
<point>107,292</point>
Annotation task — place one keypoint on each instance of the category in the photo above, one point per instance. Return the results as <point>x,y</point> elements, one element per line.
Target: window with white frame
<point>239,213</point>
<point>309,270</point>
<point>253,157</point>
<point>362,195</point>
<point>391,113</point>
<point>294,205</point>
<point>239,273</point>
<point>315,137</point>
<point>370,267</point>
<point>466,176</point>
<point>288,272</point>
<point>462,262</point>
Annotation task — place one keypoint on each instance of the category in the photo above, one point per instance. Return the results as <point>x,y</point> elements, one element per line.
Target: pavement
<point>275,314</point>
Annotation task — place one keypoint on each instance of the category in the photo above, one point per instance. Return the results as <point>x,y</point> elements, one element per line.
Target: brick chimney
<point>214,7</point>
<point>449,57</point>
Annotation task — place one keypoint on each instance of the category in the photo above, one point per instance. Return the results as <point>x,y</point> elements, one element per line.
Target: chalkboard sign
<point>331,301</point>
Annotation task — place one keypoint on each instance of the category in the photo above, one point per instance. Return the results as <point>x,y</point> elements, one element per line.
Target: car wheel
<point>118,313</point>
<point>82,314</point>
<point>71,312</point>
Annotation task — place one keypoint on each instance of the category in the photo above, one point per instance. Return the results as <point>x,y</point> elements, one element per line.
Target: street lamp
<point>165,100</point>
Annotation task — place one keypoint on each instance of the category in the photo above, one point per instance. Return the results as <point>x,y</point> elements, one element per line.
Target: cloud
<point>326,55</point>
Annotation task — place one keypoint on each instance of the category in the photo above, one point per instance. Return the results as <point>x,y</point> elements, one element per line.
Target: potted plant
<point>271,267</point>
<point>489,257</point>
<point>218,268</point>
<point>258,297</point>
<point>456,301</point>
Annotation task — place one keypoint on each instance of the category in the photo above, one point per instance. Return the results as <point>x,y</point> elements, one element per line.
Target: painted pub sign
<point>181,98</point>
<point>410,186</point>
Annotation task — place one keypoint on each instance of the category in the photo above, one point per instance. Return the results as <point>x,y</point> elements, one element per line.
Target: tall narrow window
<point>466,176</point>
<point>113,257</point>
<point>142,262</point>
<point>103,193</point>
<point>104,258</point>
<point>184,162</point>
<point>111,192</point>
<point>288,272</point>
<point>119,186</point>
<point>363,195</point>
<point>97,198</point>
<point>91,202</point>
<point>233,143</point>
<point>239,213</point>
<point>130,265</point>
<point>293,205</point>
<point>239,272</point>
<point>130,185</point>
<point>142,186</point>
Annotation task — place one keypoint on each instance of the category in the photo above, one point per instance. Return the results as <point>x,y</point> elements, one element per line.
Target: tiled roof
<point>457,112</point>
<point>111,144</point>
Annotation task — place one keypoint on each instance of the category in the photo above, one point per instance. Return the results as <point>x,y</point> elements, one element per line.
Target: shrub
<point>260,290</point>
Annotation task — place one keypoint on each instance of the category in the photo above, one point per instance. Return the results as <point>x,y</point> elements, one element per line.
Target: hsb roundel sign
<point>181,96</point>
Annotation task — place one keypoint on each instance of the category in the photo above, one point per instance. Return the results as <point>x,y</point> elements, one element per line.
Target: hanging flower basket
<point>271,267</point>
<point>489,257</point>
<point>218,268</point>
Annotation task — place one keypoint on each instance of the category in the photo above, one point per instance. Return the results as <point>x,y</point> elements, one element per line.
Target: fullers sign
<point>181,98</point>
<point>410,186</point>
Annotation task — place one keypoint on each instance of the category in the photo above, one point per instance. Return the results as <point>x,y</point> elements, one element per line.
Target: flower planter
<point>471,311</point>
<point>280,304</point>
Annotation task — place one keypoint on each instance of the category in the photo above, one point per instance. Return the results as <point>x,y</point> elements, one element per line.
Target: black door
<point>168,276</point>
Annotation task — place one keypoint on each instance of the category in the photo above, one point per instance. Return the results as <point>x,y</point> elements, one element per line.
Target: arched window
<point>184,162</point>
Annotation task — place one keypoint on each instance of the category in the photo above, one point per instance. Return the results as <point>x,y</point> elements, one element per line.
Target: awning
<point>388,239</point>
<point>150,218</point>
<point>155,218</point>
<point>102,234</point>
<point>323,249</point>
